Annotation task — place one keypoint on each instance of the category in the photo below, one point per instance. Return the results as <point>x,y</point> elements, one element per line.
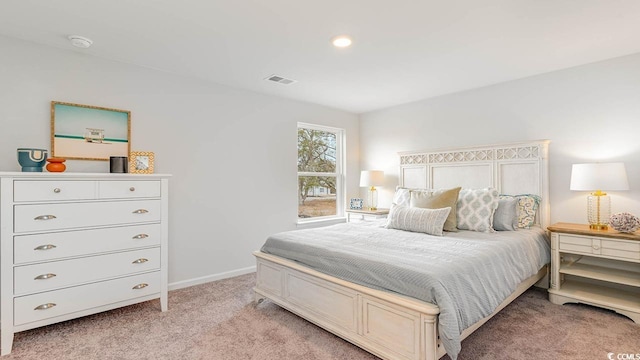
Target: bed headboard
<point>516,168</point>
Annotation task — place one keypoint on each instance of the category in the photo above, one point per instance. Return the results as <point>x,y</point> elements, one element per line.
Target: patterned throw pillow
<point>476,208</point>
<point>428,221</point>
<point>527,207</point>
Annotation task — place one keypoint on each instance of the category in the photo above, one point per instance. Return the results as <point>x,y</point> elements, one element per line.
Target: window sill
<point>308,224</point>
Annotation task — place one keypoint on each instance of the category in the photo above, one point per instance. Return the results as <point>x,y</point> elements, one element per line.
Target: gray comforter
<point>467,274</point>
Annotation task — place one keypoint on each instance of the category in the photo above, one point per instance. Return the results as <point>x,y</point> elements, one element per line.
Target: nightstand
<point>376,214</point>
<point>595,267</point>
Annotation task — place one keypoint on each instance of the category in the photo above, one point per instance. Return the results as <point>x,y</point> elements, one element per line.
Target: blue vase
<point>32,160</point>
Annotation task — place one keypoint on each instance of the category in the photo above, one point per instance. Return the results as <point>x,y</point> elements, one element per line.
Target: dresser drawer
<point>30,308</point>
<point>47,190</point>
<point>52,246</point>
<point>129,189</point>
<point>65,273</point>
<point>42,217</point>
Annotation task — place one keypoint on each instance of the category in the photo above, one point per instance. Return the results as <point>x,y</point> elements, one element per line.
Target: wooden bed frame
<point>387,324</point>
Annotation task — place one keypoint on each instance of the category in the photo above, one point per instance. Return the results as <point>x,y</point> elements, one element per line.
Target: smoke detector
<point>80,41</point>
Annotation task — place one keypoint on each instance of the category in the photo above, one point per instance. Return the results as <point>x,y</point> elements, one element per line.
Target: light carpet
<point>218,320</point>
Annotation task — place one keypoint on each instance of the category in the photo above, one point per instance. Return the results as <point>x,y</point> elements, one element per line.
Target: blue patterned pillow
<point>475,209</point>
<point>527,207</point>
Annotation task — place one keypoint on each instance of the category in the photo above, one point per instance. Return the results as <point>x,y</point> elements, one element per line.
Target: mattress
<point>467,274</point>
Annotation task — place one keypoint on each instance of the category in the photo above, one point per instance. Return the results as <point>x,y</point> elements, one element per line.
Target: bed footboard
<point>387,325</point>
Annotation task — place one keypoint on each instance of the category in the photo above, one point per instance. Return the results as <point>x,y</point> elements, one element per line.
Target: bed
<point>389,322</point>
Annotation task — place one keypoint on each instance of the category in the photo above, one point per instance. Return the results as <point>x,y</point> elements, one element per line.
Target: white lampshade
<point>599,176</point>
<point>371,178</point>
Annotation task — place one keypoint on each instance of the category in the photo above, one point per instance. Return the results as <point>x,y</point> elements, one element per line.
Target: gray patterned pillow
<point>428,221</point>
<point>476,208</point>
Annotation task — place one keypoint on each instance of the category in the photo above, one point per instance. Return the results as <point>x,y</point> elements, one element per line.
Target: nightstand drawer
<point>26,190</point>
<point>76,215</point>
<point>622,249</point>
<point>579,244</point>
<point>59,274</point>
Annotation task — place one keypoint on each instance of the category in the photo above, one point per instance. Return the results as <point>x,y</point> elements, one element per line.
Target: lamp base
<point>598,227</point>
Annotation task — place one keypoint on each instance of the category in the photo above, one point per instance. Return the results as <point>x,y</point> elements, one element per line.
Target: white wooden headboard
<point>516,168</point>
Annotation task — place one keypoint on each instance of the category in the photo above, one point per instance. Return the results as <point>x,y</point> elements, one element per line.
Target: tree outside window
<point>319,171</point>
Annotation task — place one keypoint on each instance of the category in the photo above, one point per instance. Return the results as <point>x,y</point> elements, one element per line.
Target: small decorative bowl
<point>32,159</point>
<point>624,222</point>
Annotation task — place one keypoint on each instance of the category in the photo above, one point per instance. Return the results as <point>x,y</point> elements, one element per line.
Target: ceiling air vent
<point>280,80</point>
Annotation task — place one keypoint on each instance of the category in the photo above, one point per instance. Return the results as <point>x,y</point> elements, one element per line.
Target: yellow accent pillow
<point>438,199</point>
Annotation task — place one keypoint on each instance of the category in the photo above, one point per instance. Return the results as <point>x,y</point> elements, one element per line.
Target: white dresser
<point>74,244</point>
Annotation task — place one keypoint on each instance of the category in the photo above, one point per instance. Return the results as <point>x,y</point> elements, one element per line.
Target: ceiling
<point>403,51</point>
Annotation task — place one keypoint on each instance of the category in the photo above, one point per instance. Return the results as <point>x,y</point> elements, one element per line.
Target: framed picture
<point>141,162</point>
<point>356,204</point>
<point>87,132</point>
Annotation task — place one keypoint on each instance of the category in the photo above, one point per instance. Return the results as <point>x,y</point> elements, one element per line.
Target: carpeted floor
<point>219,321</point>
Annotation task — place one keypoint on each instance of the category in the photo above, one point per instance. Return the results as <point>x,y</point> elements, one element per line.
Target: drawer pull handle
<point>141,211</point>
<point>132,189</point>
<point>140,261</point>
<point>44,306</point>
<point>57,190</point>
<point>596,247</point>
<point>45,247</point>
<point>140,236</point>
<point>44,276</point>
<point>140,286</point>
<point>45,217</point>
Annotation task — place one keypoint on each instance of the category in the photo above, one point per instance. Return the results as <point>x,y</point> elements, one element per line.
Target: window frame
<point>339,173</point>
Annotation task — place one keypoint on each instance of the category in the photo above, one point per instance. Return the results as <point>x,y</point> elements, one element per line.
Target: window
<point>320,171</point>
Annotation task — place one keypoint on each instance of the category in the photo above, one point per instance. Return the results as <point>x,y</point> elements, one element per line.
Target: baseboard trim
<point>209,278</point>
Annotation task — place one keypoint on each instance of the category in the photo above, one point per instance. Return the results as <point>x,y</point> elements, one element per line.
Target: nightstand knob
<point>595,247</point>
<point>56,190</point>
<point>132,189</point>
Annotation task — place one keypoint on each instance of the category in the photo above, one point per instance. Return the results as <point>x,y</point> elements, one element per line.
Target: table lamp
<point>371,179</point>
<point>597,177</point>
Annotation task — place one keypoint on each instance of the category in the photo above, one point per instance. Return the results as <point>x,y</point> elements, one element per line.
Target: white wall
<point>223,146</point>
<point>590,113</point>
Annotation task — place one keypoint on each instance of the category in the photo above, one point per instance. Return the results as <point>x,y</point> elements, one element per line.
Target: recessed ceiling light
<point>341,41</point>
<point>80,41</point>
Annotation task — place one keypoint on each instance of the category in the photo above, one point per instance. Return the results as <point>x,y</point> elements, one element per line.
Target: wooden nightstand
<point>376,214</point>
<point>595,267</point>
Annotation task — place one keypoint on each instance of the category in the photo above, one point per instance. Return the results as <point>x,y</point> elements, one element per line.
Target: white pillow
<point>402,196</point>
<point>428,221</point>
<point>476,208</point>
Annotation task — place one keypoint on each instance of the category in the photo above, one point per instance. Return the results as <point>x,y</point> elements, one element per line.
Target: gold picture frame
<point>141,162</point>
<point>85,132</point>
